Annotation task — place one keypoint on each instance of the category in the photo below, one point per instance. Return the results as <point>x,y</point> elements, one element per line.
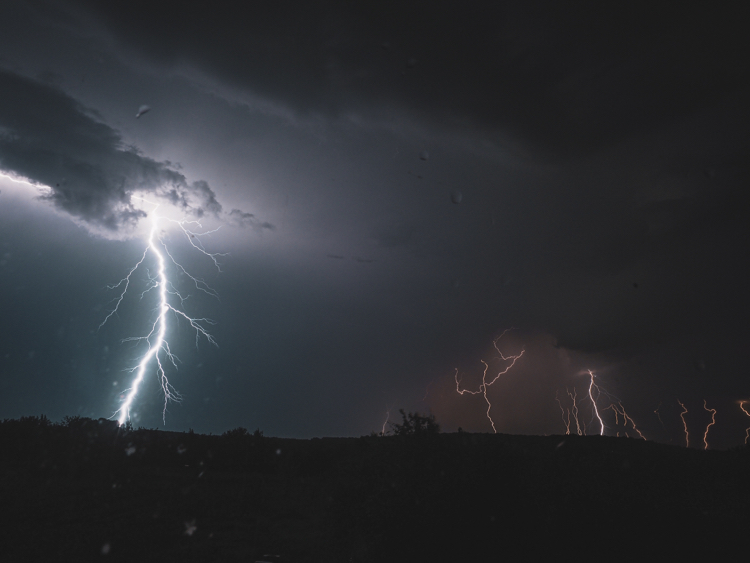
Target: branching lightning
<point>156,337</point>
<point>485,384</point>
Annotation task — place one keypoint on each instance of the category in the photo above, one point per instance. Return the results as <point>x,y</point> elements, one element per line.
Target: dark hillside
<point>90,491</point>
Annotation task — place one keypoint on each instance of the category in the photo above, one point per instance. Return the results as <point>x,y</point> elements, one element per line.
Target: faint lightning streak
<point>485,384</point>
<point>155,339</point>
<point>684,423</point>
<point>713,421</point>
<point>656,412</point>
<point>387,418</point>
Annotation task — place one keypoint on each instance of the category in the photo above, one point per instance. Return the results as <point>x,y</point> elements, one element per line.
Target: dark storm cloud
<point>563,76</point>
<point>46,136</point>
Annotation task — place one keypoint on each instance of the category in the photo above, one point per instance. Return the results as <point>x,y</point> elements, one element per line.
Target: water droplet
<point>456,196</point>
<point>190,528</point>
<point>424,155</point>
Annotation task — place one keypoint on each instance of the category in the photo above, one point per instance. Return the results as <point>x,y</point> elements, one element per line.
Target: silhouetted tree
<point>415,424</point>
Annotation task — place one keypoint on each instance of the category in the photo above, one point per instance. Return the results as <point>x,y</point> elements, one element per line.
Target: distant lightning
<point>593,386</point>
<point>566,421</point>
<point>574,410</point>
<point>684,423</point>
<point>156,337</point>
<point>713,421</point>
<point>485,384</point>
<point>596,393</point>
<point>747,430</point>
<point>383,431</point>
<point>570,414</point>
<point>619,410</point>
<point>656,412</point>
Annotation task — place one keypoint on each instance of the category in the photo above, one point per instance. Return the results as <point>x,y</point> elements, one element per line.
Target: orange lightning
<point>562,410</point>
<point>713,421</point>
<point>621,412</point>
<point>684,423</point>
<point>567,413</point>
<point>485,384</point>
<point>574,410</point>
<point>747,430</point>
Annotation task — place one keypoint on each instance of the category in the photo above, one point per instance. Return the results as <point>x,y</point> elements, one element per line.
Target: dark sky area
<point>394,185</point>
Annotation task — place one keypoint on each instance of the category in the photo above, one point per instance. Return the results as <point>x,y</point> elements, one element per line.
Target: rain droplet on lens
<point>456,196</point>
<point>424,155</point>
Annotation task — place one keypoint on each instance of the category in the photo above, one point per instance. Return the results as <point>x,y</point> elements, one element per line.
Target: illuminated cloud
<point>90,173</point>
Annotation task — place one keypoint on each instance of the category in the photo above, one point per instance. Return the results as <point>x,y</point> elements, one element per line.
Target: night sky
<point>395,185</point>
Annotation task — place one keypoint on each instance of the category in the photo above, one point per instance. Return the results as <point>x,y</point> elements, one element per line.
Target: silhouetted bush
<point>415,424</point>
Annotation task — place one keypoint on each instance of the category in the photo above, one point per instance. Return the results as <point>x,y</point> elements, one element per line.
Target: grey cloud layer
<point>46,136</point>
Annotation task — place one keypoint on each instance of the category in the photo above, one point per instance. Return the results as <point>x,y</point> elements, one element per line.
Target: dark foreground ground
<point>88,491</point>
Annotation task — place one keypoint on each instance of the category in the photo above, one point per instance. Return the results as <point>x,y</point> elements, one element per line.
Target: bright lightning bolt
<point>593,386</point>
<point>713,421</point>
<point>485,384</point>
<point>20,180</point>
<point>156,337</point>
